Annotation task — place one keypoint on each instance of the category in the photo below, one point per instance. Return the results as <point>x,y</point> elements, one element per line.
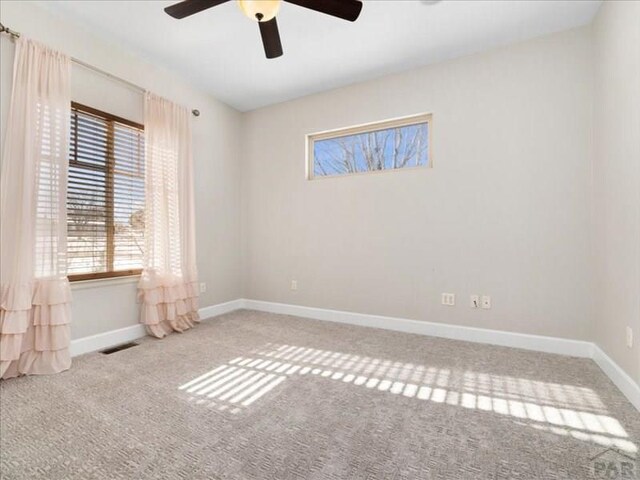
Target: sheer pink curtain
<point>168,287</point>
<point>34,291</point>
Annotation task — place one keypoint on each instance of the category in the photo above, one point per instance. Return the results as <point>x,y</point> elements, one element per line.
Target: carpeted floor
<point>259,396</point>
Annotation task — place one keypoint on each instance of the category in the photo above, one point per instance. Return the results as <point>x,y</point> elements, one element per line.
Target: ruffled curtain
<point>34,291</point>
<point>168,287</point>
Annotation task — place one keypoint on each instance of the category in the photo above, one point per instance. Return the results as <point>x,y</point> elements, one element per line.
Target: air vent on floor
<point>119,348</point>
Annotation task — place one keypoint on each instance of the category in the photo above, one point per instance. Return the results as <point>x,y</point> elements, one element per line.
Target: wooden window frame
<point>109,175</point>
<point>367,128</point>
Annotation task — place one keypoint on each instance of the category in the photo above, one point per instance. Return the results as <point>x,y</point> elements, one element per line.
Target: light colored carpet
<point>259,396</point>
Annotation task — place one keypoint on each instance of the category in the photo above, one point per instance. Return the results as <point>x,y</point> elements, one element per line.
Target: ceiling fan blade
<point>345,9</point>
<point>189,7</point>
<point>271,38</point>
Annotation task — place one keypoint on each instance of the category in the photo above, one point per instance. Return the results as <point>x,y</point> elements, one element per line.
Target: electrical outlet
<point>486,302</point>
<point>449,299</point>
<point>475,301</point>
<point>294,285</point>
<point>203,287</point>
<point>629,337</point>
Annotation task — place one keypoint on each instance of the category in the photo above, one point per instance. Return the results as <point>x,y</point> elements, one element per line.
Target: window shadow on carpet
<point>561,409</point>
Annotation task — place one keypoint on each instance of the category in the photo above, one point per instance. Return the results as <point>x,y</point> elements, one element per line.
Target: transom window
<point>105,198</point>
<point>389,145</point>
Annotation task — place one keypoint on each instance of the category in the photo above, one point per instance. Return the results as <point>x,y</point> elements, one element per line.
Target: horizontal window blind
<point>105,197</point>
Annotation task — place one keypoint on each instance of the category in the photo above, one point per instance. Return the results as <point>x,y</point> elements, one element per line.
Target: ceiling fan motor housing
<point>260,10</point>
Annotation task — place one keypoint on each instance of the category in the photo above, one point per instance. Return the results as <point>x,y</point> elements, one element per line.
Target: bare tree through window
<point>386,146</point>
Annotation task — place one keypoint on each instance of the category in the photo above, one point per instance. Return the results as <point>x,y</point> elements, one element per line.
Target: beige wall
<point>109,305</point>
<point>617,180</point>
<point>504,212</point>
<point>516,206</point>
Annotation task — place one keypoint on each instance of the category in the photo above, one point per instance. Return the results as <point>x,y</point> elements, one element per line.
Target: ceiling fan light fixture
<point>264,13</point>
<point>260,10</point>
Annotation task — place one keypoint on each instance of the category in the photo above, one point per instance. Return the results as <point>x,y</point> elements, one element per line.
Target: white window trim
<point>311,138</point>
<point>104,282</point>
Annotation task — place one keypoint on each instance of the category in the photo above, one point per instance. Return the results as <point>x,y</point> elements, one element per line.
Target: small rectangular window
<point>389,145</point>
<point>105,196</point>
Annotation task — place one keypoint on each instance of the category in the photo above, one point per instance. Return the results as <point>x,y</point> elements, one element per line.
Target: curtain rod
<point>14,35</point>
<point>8,31</point>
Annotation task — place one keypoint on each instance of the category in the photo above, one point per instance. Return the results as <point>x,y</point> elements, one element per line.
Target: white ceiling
<point>220,51</point>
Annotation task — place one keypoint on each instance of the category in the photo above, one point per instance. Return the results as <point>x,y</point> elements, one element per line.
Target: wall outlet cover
<point>448,299</point>
<point>486,302</point>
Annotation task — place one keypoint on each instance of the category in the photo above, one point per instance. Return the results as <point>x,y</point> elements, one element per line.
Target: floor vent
<point>118,348</point>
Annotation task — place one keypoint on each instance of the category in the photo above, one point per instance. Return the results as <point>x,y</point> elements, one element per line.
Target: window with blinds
<point>105,197</point>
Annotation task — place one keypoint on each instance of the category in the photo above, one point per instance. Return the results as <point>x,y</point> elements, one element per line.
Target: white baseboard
<point>104,340</point>
<point>221,308</point>
<point>539,343</point>
<point>112,338</point>
<point>619,377</point>
<point>563,346</point>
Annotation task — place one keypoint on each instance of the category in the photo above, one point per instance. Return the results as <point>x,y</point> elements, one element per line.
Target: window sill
<point>104,282</point>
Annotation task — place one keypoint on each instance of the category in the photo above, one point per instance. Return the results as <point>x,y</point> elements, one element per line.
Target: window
<point>105,197</point>
<point>389,145</point>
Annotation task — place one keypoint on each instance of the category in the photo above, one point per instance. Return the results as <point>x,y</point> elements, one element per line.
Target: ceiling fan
<point>265,11</point>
